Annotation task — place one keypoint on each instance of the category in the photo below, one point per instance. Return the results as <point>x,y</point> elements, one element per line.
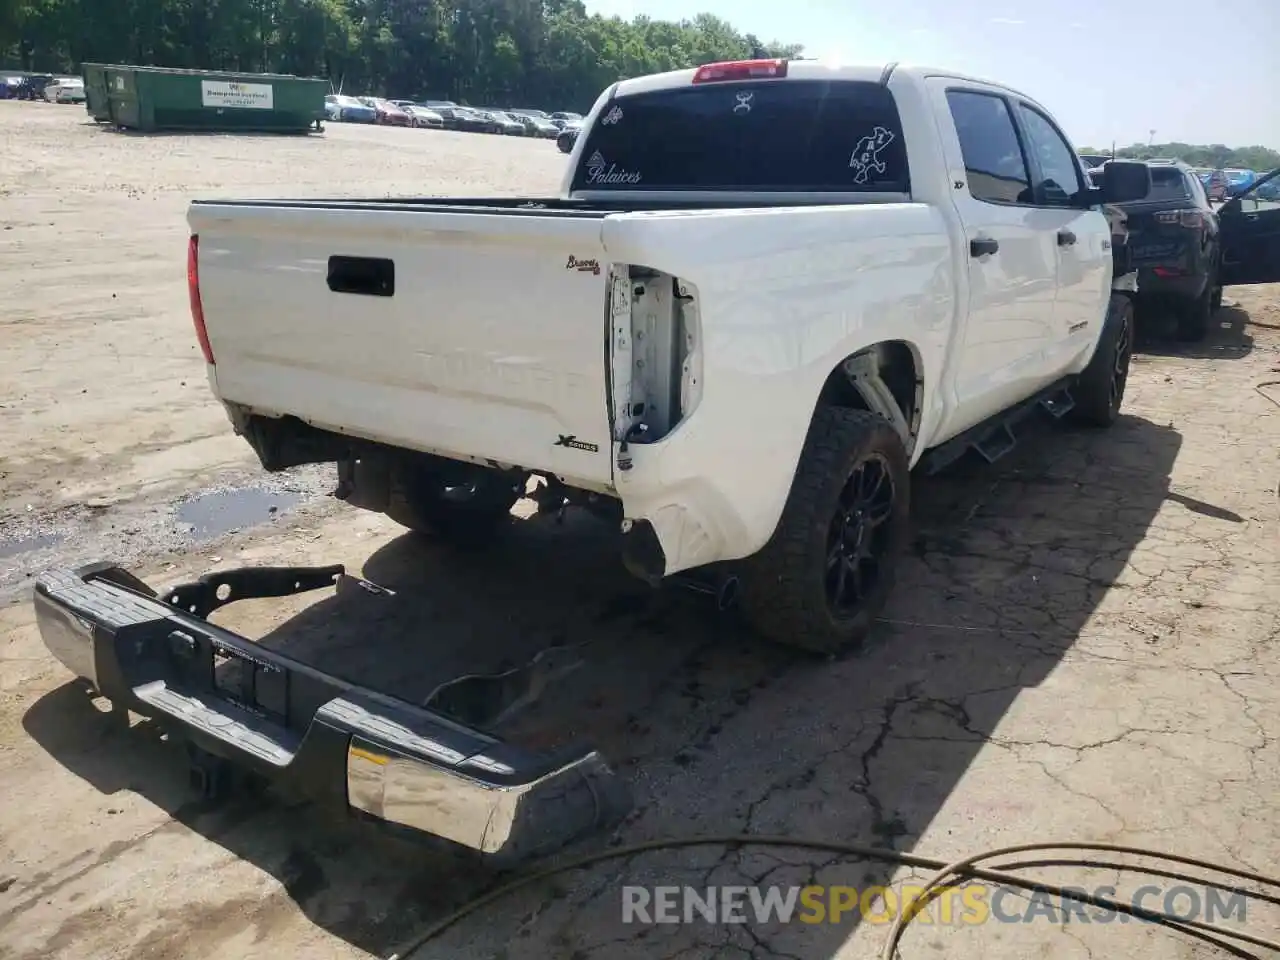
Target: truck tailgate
<point>467,333</point>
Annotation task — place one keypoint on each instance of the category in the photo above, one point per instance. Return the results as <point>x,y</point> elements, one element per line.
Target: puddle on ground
<point>222,511</point>
<point>28,543</point>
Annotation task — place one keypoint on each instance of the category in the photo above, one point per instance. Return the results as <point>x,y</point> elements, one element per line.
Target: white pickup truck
<point>767,291</point>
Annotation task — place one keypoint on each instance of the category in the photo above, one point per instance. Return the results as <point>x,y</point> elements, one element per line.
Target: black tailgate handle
<point>369,276</point>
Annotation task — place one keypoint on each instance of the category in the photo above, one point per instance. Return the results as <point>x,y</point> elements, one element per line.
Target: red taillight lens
<point>193,290</point>
<point>740,70</point>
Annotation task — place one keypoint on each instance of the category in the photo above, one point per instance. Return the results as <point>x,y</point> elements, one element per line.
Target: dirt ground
<point>1082,644</point>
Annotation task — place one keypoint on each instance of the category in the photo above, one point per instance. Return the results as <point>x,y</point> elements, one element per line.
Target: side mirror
<point>1124,181</point>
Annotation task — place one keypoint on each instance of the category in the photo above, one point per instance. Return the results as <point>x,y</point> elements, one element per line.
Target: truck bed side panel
<point>491,345</point>
<point>784,296</point>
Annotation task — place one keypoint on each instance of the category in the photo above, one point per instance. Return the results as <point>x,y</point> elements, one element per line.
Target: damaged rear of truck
<point>651,343</point>
<point>765,292</point>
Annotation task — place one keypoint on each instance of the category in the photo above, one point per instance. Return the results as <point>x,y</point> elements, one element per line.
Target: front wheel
<point>827,571</point>
<point>1100,390</point>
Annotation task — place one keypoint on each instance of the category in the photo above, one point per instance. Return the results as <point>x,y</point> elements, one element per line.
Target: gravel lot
<point>1083,644</point>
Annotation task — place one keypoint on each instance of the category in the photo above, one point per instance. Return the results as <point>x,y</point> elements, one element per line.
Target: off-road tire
<point>784,593</point>
<point>1099,392</point>
<point>1195,316</point>
<point>417,501</point>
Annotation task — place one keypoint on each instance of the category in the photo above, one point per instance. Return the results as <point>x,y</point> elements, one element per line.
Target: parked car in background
<point>566,139</point>
<point>526,112</point>
<point>1216,185</point>
<point>1092,160</point>
<point>65,90</point>
<point>9,87</point>
<point>536,126</point>
<point>562,119</point>
<point>348,110</point>
<point>507,124</point>
<point>31,87</point>
<point>422,117</point>
<point>387,112</point>
<point>1173,239</point>
<point>449,115</point>
<point>1239,181</point>
<point>474,121</point>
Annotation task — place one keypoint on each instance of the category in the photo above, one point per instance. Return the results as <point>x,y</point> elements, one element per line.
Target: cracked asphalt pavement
<point>1083,645</point>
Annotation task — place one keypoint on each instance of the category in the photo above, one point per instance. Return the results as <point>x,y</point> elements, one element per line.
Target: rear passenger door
<point>1081,237</point>
<point>1010,255</point>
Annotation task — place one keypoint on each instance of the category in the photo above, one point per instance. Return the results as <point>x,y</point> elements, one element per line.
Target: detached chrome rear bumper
<point>346,747</point>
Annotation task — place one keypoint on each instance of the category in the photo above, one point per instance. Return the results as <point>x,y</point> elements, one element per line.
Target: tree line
<point>520,52</point>
<point>1216,156</point>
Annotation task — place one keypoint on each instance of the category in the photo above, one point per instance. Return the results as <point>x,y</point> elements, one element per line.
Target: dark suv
<point>1174,240</point>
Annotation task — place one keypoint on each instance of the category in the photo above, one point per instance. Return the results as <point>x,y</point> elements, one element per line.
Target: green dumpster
<point>158,98</point>
<point>95,91</point>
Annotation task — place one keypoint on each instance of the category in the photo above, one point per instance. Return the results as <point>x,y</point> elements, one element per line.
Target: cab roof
<point>812,70</point>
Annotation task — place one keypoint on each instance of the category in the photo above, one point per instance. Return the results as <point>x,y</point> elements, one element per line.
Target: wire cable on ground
<point>965,868</point>
<point>1268,383</point>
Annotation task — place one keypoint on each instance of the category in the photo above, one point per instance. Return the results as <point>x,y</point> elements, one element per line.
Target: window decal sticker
<point>866,154</point>
<point>600,171</point>
<point>613,116</point>
<point>743,105</point>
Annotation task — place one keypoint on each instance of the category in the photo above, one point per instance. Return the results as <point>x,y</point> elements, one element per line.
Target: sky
<point>1196,71</point>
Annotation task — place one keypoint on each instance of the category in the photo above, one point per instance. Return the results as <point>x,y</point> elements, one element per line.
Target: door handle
<point>982,246</point>
<point>1066,238</point>
<point>367,276</point>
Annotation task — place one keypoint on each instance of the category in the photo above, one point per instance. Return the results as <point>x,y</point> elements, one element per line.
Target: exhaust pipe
<point>724,587</point>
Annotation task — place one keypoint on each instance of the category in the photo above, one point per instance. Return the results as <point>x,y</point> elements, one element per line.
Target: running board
<point>995,444</point>
<point>1059,404</point>
<point>995,437</point>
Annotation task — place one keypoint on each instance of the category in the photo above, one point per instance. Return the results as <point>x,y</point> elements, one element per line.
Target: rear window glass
<point>781,135</point>
<point>1167,184</point>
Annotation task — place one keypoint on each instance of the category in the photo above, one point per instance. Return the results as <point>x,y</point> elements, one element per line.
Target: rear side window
<point>781,135</point>
<point>993,160</point>
<point>1197,191</point>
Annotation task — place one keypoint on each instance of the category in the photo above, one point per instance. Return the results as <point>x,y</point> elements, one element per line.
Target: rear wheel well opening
<point>885,378</point>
